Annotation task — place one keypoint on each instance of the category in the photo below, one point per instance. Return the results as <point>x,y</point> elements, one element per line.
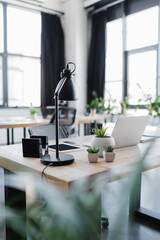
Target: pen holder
<point>32,147</point>
<point>44,140</point>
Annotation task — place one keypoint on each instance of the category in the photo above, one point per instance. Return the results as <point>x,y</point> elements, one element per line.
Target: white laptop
<point>129,130</point>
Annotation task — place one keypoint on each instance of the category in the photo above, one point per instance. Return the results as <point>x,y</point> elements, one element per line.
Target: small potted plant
<point>109,153</point>
<point>96,105</point>
<point>101,139</point>
<point>93,154</point>
<point>33,111</point>
<point>124,104</point>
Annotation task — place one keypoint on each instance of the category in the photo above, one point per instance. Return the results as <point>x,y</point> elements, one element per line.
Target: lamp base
<point>64,159</point>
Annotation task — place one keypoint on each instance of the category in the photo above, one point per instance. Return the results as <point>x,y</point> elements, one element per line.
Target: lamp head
<point>68,91</point>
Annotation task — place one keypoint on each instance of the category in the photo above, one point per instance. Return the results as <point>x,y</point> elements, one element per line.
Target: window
<point>25,37</point>
<point>21,56</point>
<point>1,29</point>
<point>1,83</point>
<point>142,72</point>
<point>132,54</point>
<point>113,74</point>
<point>142,29</point>
<point>141,45</point>
<point>1,50</point>
<point>23,81</point>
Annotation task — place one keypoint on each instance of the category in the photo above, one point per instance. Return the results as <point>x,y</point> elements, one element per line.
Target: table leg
<point>2,214</point>
<point>87,129</point>
<point>139,212</point>
<point>14,199</point>
<point>12,129</point>
<point>79,129</point>
<point>24,132</point>
<point>8,137</point>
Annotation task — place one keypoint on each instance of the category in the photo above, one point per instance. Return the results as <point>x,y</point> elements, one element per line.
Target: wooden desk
<point>124,164</point>
<point>11,158</point>
<point>19,122</point>
<point>22,122</point>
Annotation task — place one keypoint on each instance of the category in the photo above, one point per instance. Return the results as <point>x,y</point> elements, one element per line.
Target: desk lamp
<point>65,90</point>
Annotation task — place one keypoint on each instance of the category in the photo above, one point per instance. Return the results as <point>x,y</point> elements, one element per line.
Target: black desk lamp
<point>65,90</point>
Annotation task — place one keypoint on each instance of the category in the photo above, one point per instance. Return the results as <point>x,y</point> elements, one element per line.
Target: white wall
<point>75,28</point>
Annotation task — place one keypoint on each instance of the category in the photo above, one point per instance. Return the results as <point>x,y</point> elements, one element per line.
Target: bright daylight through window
<point>113,80</point>
<point>137,41</point>
<point>142,53</point>
<point>1,50</point>
<point>22,72</point>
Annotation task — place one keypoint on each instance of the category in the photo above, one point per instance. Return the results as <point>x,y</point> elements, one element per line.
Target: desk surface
<point>17,122</point>
<point>11,158</point>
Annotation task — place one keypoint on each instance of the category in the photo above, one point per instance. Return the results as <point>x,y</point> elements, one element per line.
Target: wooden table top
<point>21,122</point>
<point>11,158</point>
<point>87,119</point>
<point>18,122</point>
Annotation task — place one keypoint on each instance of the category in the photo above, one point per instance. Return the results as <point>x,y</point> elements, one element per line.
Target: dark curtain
<point>96,62</point>
<point>52,57</point>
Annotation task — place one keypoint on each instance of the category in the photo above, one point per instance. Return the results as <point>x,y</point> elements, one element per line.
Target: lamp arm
<point>56,97</point>
<point>59,86</point>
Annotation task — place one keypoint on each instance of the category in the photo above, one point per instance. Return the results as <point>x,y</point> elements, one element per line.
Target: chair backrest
<point>47,130</point>
<point>66,116</point>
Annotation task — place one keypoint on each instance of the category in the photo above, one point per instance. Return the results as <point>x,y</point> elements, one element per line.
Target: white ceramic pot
<point>101,142</point>
<point>93,157</point>
<point>109,156</point>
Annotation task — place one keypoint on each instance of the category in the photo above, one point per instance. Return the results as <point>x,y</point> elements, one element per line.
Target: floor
<point>115,206</point>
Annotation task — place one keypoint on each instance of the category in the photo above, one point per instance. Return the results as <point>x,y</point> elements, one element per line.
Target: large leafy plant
<point>97,103</point>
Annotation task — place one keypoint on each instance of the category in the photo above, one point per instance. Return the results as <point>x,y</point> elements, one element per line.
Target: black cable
<point>48,165</point>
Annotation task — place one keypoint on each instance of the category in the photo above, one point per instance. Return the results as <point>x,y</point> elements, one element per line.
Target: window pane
<point>113,69</point>
<point>1,84</point>
<point>141,70</point>
<point>23,81</point>
<point>1,29</point>
<point>142,28</point>
<point>114,89</point>
<point>24,30</point>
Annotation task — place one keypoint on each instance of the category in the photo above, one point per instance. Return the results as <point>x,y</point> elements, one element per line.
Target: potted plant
<point>100,139</point>
<point>96,105</point>
<point>109,153</point>
<point>33,111</point>
<point>111,103</point>
<point>124,104</point>
<point>93,154</point>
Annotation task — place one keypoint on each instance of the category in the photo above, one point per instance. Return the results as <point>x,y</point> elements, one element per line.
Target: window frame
<point>5,56</point>
<point>126,53</point>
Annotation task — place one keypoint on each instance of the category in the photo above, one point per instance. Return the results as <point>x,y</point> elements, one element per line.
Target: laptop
<point>129,130</point>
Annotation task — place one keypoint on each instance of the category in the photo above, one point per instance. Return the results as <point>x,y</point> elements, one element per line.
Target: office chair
<point>67,117</point>
<point>47,130</point>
